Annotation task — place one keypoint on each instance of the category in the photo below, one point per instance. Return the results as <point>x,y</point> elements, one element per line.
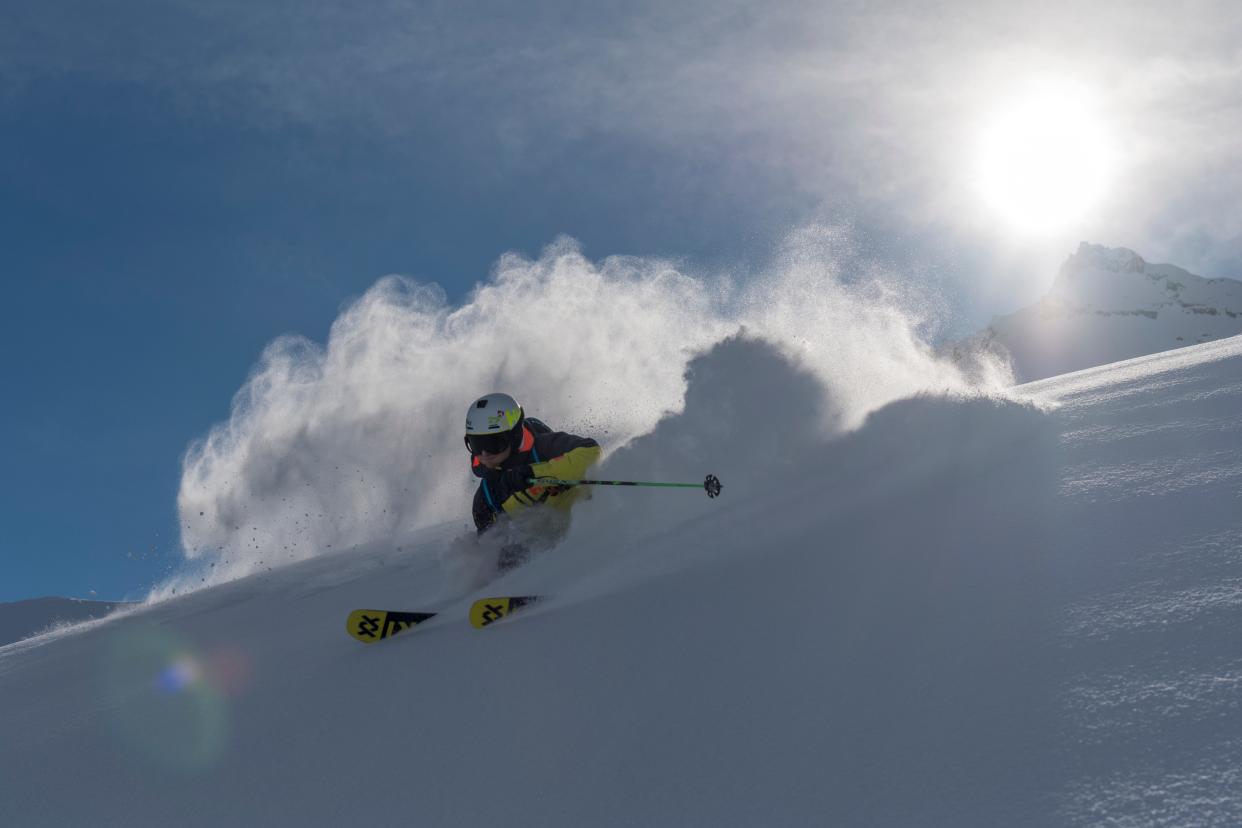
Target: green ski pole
<point>711,484</point>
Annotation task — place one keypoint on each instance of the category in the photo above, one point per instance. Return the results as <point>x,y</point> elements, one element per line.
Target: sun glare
<point>1044,162</point>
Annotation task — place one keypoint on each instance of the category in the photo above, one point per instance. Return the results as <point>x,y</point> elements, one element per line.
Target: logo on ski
<point>368,627</point>
<point>487,611</point>
<point>492,612</point>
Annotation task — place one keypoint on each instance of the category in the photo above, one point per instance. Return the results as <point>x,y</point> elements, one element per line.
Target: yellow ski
<point>369,626</point>
<point>487,611</point>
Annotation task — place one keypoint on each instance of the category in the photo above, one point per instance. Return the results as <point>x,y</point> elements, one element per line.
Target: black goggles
<point>488,443</point>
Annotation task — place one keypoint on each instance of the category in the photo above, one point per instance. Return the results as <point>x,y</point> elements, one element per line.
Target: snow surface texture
<point>360,441</point>
<point>1108,305</point>
<point>968,611</point>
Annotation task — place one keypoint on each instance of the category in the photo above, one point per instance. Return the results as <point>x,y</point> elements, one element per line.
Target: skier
<point>508,450</point>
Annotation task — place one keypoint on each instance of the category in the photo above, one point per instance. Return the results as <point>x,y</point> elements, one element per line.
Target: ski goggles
<point>488,443</point>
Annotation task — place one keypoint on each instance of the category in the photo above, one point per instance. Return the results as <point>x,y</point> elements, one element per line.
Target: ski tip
<point>487,611</point>
<point>370,626</point>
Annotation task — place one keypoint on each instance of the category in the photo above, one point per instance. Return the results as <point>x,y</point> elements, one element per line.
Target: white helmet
<point>493,423</point>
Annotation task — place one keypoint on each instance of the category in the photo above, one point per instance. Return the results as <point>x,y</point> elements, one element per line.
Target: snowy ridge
<point>22,619</point>
<point>967,611</point>
<point>1107,305</point>
<point>1103,280</point>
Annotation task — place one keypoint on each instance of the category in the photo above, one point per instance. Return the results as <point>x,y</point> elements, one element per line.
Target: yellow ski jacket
<point>549,454</point>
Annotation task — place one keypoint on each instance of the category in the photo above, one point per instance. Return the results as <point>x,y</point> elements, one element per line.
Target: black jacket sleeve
<point>484,517</point>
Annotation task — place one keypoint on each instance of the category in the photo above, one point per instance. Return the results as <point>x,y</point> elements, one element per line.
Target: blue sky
<point>180,185</point>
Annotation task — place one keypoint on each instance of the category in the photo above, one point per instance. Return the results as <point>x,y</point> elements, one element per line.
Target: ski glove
<point>517,480</point>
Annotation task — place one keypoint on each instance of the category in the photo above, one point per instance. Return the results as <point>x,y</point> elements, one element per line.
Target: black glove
<point>518,479</point>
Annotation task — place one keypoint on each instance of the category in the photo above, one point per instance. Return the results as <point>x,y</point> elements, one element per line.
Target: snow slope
<point>967,611</point>
<point>1109,304</point>
<point>21,619</point>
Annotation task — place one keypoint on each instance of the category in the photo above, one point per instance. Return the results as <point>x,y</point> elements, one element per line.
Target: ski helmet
<point>493,424</point>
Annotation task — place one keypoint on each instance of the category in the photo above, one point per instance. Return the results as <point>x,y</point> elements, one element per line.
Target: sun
<point>1044,161</point>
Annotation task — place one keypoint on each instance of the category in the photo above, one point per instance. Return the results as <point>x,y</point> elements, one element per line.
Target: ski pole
<point>711,484</point>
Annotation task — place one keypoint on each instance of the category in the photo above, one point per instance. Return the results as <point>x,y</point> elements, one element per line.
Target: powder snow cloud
<point>359,440</point>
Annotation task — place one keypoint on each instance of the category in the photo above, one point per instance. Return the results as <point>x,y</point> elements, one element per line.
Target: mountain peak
<point>1097,257</point>
<point>1116,279</point>
<point>1108,304</point>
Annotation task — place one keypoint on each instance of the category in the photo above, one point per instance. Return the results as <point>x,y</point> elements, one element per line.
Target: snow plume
<point>359,441</point>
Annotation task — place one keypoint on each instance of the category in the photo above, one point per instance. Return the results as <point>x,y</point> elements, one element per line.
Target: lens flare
<point>179,675</point>
<point>163,708</point>
<point>229,670</point>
